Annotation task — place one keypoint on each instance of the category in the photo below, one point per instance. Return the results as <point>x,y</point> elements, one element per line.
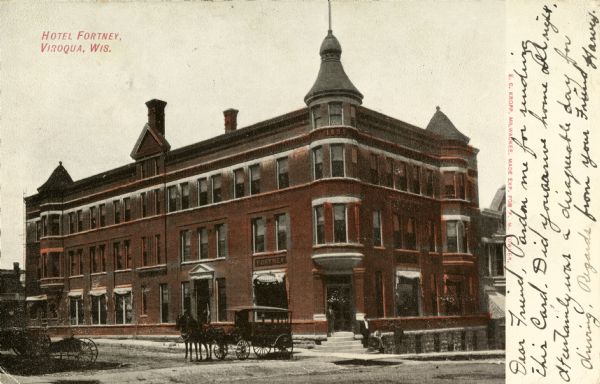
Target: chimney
<point>156,115</point>
<point>230,119</point>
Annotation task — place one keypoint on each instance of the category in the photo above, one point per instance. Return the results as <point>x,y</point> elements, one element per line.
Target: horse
<point>195,335</point>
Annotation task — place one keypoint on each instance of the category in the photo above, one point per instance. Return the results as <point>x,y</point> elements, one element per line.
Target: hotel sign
<point>270,261</point>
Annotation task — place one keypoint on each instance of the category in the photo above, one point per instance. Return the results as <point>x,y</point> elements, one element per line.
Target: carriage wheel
<point>285,345</point>
<point>261,350</point>
<point>242,349</point>
<point>220,350</point>
<point>88,352</point>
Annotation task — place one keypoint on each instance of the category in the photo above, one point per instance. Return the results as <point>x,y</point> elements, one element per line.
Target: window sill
<point>151,267</point>
<point>406,250</point>
<point>380,247</point>
<point>75,276</point>
<point>270,253</point>
<point>98,273</point>
<point>324,245</point>
<point>123,270</point>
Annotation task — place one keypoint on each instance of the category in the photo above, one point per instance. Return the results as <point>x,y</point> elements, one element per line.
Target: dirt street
<point>117,364</point>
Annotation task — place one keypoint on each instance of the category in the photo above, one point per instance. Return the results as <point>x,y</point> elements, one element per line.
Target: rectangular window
<point>186,297</point>
<point>127,207</point>
<point>79,220</point>
<point>389,173</point>
<point>449,192</point>
<point>281,229</point>
<point>173,195</point>
<point>221,232</point>
<point>254,179</point>
<point>203,243</point>
<point>315,114</point>
<point>164,303</point>
<point>498,259</point>
<point>464,244</point>
<point>397,231</point>
<point>216,188</point>
<point>144,300</point>
<point>258,235</point>
<point>127,252</point>
<point>337,160</point>
<point>76,310</point>
<point>53,268</point>
<point>185,241</point>
<point>123,309</point>
<point>402,182</point>
<point>416,179</point>
<point>283,180</point>
<point>429,183</point>
<point>157,254</point>
<point>93,261</point>
<point>145,252</point>
<point>407,296</point>
<point>98,309</point>
<point>239,187</point>
<point>374,169</point>
<point>335,114</point>
<point>44,226</point>
<point>460,181</point>
<point>432,236</point>
<point>38,231</point>
<point>377,229</point>
<point>92,217</point>
<point>379,293</point>
<point>157,201</point>
<point>72,264</point>
<point>117,256</point>
<point>102,258</point>
<point>71,222</point>
<point>221,300</point>
<point>353,115</point>
<point>319,225</point>
<point>202,191</point>
<point>117,211</point>
<point>451,236</point>
<point>410,234</point>
<point>317,158</point>
<point>143,204</point>
<point>185,195</point>
<point>54,225</point>
<point>339,223</point>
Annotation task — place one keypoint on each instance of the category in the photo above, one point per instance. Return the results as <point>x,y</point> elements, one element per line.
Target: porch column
<point>359,292</point>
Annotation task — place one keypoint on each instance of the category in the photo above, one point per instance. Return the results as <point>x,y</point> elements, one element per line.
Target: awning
<point>202,272</point>
<point>496,304</point>
<point>75,293</point>
<point>98,291</point>
<point>37,298</point>
<point>408,274</point>
<point>269,276</point>
<point>122,290</point>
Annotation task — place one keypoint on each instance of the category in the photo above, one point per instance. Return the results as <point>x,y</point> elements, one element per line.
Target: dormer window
<point>335,114</point>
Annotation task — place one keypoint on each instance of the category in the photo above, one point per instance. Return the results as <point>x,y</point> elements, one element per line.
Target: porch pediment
<point>202,272</point>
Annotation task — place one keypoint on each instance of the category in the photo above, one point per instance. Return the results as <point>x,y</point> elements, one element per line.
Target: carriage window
<point>123,309</point>
<point>164,303</point>
<point>98,309</point>
<point>76,310</point>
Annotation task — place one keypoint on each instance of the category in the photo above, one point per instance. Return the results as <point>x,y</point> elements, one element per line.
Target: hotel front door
<point>340,308</point>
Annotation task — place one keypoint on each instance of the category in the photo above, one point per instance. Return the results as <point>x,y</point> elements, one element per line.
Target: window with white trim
<point>377,240</point>
<point>339,223</point>
<point>76,310</point>
<point>282,225</point>
<point>335,114</point>
<point>98,309</point>
<point>123,308</point>
<point>258,235</point>
<point>317,159</point>
<point>337,160</point>
<point>254,179</point>
<point>221,237</point>
<point>319,224</point>
<point>185,244</point>
<point>216,188</point>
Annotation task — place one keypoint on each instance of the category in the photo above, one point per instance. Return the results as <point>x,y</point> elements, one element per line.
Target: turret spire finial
<point>329,6</point>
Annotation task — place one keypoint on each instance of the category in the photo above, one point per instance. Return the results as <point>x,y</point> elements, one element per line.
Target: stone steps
<point>341,342</point>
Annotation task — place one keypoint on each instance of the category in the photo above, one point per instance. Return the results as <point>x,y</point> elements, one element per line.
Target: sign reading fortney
<point>269,261</point>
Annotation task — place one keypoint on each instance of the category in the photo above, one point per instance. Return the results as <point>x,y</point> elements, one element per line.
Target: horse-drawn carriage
<point>263,329</point>
<point>34,342</point>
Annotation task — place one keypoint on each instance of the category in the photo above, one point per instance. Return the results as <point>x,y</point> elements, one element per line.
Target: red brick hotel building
<point>333,210</point>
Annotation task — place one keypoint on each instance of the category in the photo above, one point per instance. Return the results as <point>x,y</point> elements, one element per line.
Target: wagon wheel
<point>220,349</point>
<point>285,345</point>
<point>242,349</point>
<point>88,352</point>
<point>261,349</point>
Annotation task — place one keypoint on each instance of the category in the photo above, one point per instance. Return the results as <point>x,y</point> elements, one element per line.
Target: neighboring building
<point>492,258</point>
<point>330,209</point>
<point>12,281</point>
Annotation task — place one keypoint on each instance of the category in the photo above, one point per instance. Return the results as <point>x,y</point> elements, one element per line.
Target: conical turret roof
<point>332,79</point>
<point>440,124</point>
<point>58,180</point>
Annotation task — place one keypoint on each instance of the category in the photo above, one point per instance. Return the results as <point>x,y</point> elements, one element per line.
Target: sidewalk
<point>171,346</point>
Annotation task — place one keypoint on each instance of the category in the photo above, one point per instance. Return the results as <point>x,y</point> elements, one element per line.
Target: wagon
<point>264,329</point>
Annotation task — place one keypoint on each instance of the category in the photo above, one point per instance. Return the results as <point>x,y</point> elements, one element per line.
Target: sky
<point>261,57</point>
